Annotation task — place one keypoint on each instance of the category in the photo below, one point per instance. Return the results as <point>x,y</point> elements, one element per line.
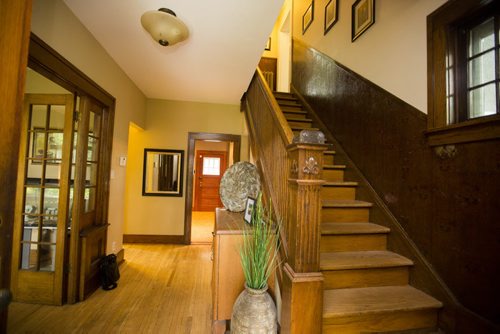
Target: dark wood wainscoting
<point>447,199</point>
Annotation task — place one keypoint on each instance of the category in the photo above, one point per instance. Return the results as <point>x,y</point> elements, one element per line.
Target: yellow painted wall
<point>54,23</point>
<point>167,127</point>
<point>391,53</point>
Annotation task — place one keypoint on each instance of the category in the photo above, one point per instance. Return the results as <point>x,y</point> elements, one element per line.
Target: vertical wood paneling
<point>448,205</point>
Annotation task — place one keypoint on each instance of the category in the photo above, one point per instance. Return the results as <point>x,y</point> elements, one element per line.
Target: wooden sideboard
<point>227,276</point>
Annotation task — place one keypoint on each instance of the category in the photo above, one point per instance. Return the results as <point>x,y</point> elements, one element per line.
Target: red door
<point>210,166</point>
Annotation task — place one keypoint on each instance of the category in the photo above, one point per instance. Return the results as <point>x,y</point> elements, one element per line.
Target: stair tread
<point>294,111</point>
<point>340,184</point>
<point>296,127</point>
<point>340,203</point>
<point>334,166</point>
<point>362,301</point>
<point>362,260</point>
<point>294,119</point>
<point>352,228</point>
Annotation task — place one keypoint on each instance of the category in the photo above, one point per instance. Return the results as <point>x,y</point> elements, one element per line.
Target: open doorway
<point>209,155</point>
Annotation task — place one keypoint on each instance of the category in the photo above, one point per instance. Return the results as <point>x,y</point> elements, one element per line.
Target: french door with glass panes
<point>58,197</point>
<point>42,199</point>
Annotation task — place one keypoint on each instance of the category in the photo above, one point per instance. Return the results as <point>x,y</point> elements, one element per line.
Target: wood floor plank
<point>162,289</point>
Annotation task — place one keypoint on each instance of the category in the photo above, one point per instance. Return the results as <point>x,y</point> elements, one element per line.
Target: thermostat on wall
<point>123,161</point>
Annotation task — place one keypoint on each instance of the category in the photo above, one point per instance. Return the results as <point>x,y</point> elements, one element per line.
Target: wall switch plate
<point>123,161</point>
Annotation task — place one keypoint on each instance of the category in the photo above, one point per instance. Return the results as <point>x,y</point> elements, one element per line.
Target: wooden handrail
<point>291,175</point>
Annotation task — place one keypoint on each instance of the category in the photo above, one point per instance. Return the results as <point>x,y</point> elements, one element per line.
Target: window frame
<point>443,41</point>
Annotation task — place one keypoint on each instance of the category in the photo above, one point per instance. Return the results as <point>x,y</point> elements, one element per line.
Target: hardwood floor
<point>202,226</point>
<point>162,289</point>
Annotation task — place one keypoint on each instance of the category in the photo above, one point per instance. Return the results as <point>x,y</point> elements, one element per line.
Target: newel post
<point>302,294</point>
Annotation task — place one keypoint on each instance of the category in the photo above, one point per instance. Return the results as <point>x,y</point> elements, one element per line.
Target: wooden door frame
<point>208,152</point>
<point>15,24</point>
<point>192,138</point>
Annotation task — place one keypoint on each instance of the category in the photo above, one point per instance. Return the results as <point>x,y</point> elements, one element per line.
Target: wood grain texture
<point>15,19</point>
<point>162,289</point>
<point>447,206</point>
<point>302,295</point>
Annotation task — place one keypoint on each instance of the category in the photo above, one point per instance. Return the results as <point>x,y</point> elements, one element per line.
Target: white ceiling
<point>215,64</point>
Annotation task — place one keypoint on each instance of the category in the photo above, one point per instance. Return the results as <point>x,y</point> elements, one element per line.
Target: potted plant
<point>254,310</point>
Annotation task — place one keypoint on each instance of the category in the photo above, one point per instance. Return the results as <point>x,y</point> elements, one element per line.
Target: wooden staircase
<point>366,287</point>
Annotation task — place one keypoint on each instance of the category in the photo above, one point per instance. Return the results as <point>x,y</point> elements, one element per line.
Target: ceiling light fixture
<point>164,26</point>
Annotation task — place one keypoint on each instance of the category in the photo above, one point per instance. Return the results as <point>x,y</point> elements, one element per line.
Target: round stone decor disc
<point>240,181</point>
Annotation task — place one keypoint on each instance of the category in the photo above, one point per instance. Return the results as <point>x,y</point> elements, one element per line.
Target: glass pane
<point>30,215</point>
<point>47,255</point>
<point>54,147</point>
<point>38,117</point>
<point>50,218</point>
<point>482,101</point>
<point>481,37</point>
<point>450,89</point>
<point>95,124</point>
<point>92,149</point>
<point>34,172</point>
<point>91,174</point>
<point>75,142</point>
<point>52,175</point>
<point>70,208</point>
<point>37,150</point>
<point>482,69</point>
<point>57,117</point>
<point>89,199</point>
<point>32,201</point>
<point>29,257</point>
<point>211,166</point>
<point>30,234</point>
<point>50,200</point>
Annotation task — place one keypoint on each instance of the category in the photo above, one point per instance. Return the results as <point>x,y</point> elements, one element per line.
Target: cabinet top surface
<point>227,222</point>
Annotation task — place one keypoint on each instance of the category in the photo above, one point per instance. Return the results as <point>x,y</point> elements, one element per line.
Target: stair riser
<point>360,278</point>
<point>290,107</point>
<point>295,115</point>
<point>345,215</point>
<point>300,124</point>
<point>381,322</point>
<point>288,103</point>
<point>328,159</point>
<point>347,193</point>
<point>351,243</point>
<point>333,175</point>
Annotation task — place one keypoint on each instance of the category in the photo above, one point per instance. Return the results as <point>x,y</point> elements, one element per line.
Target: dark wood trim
<point>152,239</point>
<point>52,65</point>
<point>192,137</point>
<point>15,19</point>
<point>443,39</point>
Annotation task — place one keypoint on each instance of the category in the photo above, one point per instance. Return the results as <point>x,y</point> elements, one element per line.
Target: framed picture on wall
<point>308,17</point>
<point>331,14</point>
<point>363,16</point>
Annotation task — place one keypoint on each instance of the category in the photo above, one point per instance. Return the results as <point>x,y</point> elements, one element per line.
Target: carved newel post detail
<point>303,281</point>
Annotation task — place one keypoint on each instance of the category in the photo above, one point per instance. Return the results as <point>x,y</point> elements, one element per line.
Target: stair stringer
<point>422,275</point>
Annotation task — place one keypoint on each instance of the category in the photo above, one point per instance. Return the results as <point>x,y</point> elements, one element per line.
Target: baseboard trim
<point>153,239</point>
